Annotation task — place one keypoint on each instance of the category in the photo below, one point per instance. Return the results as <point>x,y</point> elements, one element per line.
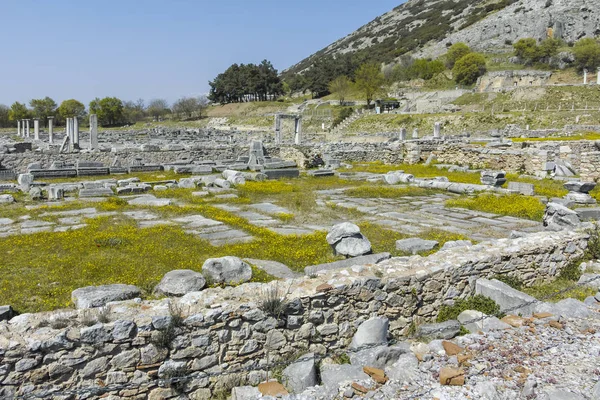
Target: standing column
<point>93,132</point>
<point>19,128</point>
<point>415,134</point>
<point>403,135</point>
<point>437,130</point>
<point>598,77</point>
<point>27,128</point>
<point>50,130</point>
<point>76,132</point>
<point>36,128</point>
<point>585,71</point>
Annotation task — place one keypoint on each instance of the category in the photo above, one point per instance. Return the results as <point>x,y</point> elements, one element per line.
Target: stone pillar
<point>51,130</point>
<point>75,132</point>
<point>277,129</point>
<point>402,134</point>
<point>36,128</point>
<point>298,130</point>
<point>585,71</point>
<point>437,129</point>
<point>415,133</point>
<point>93,132</point>
<point>19,127</point>
<point>27,128</point>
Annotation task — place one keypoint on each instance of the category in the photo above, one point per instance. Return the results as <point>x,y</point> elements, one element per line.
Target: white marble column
<point>93,132</point>
<point>19,127</point>
<point>51,130</point>
<point>27,128</point>
<point>36,128</point>
<point>75,132</point>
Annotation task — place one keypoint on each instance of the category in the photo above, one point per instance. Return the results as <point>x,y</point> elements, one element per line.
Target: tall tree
<point>134,111</point>
<point>587,53</point>
<point>43,108</point>
<point>71,108</point>
<point>340,87</point>
<point>469,68</point>
<point>4,120</point>
<point>108,109</point>
<point>158,108</point>
<point>190,107</point>
<point>455,53</point>
<point>369,80</point>
<point>18,111</point>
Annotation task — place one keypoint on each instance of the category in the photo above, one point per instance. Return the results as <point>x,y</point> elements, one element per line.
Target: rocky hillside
<point>427,27</point>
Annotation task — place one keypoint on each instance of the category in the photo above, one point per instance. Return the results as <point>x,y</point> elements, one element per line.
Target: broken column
<point>277,128</point>
<point>579,192</point>
<point>75,122</point>
<point>36,128</point>
<point>51,130</point>
<point>93,132</point>
<point>437,129</point>
<point>415,134</point>
<point>26,128</point>
<point>403,134</point>
<point>493,178</point>
<point>298,130</point>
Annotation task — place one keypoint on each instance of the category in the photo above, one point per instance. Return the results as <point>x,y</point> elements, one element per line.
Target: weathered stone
<point>486,324</point>
<point>371,332</point>
<point>340,231</point>
<point>332,375</point>
<point>98,296</point>
<point>170,369</point>
<point>353,246</point>
<point>558,217</point>
<point>123,330</point>
<point>415,245</point>
<point>229,270</point>
<point>94,334</point>
<point>300,374</point>
<point>404,369</point>
<point>452,376</point>
<point>179,282</point>
<point>442,330</point>
<point>509,299</point>
<point>245,393</point>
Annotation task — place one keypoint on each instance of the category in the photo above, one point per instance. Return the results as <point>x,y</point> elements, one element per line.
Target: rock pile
<point>493,178</point>
<point>346,239</point>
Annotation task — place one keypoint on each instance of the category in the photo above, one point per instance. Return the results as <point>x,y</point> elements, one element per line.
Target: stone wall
<point>225,330</point>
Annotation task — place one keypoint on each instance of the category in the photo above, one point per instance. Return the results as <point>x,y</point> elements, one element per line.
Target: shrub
<point>587,53</point>
<point>273,301</point>
<point>455,53</point>
<point>469,68</point>
<point>477,302</point>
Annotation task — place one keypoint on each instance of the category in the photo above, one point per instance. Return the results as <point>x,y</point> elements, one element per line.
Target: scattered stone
<point>451,348</point>
<point>371,332</point>
<point>301,374</point>
<point>415,245</point>
<point>443,330</point>
<point>99,296</point>
<point>229,270</point>
<point>332,375</point>
<point>452,376</point>
<point>558,217</point>
<point>180,282</point>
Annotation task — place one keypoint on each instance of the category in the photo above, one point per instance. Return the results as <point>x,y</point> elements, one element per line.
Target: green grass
<point>513,205</point>
<point>582,136</point>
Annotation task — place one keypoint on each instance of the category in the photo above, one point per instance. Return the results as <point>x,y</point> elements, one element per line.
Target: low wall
<point>226,331</point>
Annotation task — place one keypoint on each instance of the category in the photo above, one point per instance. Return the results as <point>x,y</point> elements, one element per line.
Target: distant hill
<point>427,28</point>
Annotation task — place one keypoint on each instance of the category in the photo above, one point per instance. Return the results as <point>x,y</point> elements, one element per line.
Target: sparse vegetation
<point>513,205</point>
<point>477,302</point>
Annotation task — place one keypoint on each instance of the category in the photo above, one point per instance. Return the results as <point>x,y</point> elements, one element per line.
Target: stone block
<point>442,330</point>
<point>362,260</point>
<point>98,296</point>
<point>301,374</point>
<point>510,300</point>
<point>415,245</point>
<point>281,173</point>
<point>526,189</point>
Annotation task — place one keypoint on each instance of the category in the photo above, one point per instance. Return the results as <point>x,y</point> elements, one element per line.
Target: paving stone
<point>270,208</point>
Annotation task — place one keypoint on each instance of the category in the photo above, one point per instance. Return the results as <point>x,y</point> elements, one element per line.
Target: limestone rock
<point>558,217</point>
<point>415,245</point>
<point>371,332</point>
<point>441,330</point>
<point>301,374</point>
<point>98,296</point>
<point>380,356</point>
<point>485,325</point>
<point>509,299</point>
<point>405,369</point>
<point>229,270</point>
<point>180,282</point>
<point>332,375</point>
<point>340,231</point>
<point>353,246</point>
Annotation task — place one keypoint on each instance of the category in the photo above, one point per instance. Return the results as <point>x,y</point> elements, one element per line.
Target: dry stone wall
<point>226,331</point>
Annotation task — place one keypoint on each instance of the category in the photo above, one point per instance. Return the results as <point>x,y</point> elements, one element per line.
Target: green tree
<point>18,111</point>
<point>71,108</point>
<point>4,120</point>
<point>527,50</point>
<point>455,53</point>
<point>190,107</point>
<point>108,109</point>
<point>369,80</point>
<point>549,47</point>
<point>43,108</point>
<point>158,108</point>
<point>246,83</point>
<point>134,111</point>
<point>340,87</point>
<point>469,68</point>
<point>587,53</point>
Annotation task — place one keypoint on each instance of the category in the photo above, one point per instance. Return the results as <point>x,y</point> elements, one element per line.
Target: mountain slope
<point>428,27</point>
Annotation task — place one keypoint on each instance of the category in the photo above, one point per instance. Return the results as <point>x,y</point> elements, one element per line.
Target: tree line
<point>111,111</point>
<point>246,82</point>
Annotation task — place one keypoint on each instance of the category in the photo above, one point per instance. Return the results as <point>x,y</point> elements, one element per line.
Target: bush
<point>455,53</point>
<point>587,53</point>
<point>273,301</point>
<point>477,302</point>
<point>469,68</point>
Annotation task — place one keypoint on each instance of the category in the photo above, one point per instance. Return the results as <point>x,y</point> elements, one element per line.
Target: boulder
<point>558,217</point>
<point>301,374</point>
<point>353,246</point>
<point>415,245</point>
<point>340,231</point>
<point>6,199</point>
<point>456,243</point>
<point>442,330</point>
<point>405,369</point>
<point>509,299</point>
<point>380,356</point>
<point>179,282</point>
<point>98,296</point>
<point>579,187</point>
<point>485,325</point>
<point>229,270</point>
<point>567,308</point>
<point>332,375</point>
<point>590,280</point>
<point>371,332</point>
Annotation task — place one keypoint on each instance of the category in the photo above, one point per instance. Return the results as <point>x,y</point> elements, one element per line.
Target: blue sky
<point>158,49</point>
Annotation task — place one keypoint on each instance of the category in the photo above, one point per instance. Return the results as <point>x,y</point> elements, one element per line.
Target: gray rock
<point>558,217</point>
<point>486,325</point>
<point>405,369</point>
<point>596,391</point>
<point>6,313</point>
<point>301,374</point>
<point>590,280</point>
<point>126,359</point>
<point>95,366</point>
<point>588,213</point>
<point>509,299</point>
<point>180,282</point>
<point>353,246</point>
<point>567,308</point>
<point>379,357</point>
<point>6,199</point>
<point>245,393</point>
<point>229,270</point>
<point>456,243</point>
<point>123,330</point>
<point>526,189</point>
<point>561,394</point>
<point>94,334</point>
<point>332,375</point>
<point>415,245</point>
<point>35,193</point>
<point>25,364</point>
<point>580,187</point>
<point>98,296</point>
<point>340,231</point>
<point>170,369</point>
<point>442,330</point>
<point>371,332</point>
